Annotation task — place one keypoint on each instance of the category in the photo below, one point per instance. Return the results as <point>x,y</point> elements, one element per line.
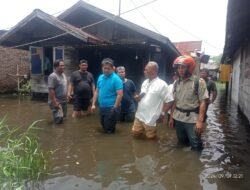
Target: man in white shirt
<point>154,101</point>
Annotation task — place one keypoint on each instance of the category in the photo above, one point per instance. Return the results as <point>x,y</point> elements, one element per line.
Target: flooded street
<point>86,158</point>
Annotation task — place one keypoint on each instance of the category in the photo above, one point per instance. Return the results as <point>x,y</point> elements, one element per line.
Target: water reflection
<point>86,158</point>
<point>226,156</point>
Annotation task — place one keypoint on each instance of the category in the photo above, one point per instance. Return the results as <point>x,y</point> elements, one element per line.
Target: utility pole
<point>119,14</point>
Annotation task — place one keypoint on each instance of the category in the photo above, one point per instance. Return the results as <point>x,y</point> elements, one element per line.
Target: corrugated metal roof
<point>2,32</point>
<point>158,37</point>
<point>52,22</point>
<point>237,28</point>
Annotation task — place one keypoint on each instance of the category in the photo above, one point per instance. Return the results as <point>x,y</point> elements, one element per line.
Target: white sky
<point>179,20</point>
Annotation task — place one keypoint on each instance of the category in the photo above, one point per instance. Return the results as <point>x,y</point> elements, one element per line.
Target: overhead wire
<point>136,8</point>
<point>93,24</point>
<point>185,30</point>
<point>145,18</point>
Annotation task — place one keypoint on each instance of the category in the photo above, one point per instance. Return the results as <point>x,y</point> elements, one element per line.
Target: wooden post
<point>227,86</point>
<point>119,13</point>
<point>18,80</point>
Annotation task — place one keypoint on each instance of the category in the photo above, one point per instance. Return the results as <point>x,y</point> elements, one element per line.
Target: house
<point>47,39</point>
<point>86,32</point>
<point>212,68</point>
<point>185,48</point>
<point>237,53</point>
<point>14,64</point>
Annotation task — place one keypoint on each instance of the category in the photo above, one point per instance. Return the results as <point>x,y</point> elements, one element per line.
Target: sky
<point>179,20</point>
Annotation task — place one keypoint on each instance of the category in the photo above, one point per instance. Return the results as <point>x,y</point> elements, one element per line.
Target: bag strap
<point>196,85</point>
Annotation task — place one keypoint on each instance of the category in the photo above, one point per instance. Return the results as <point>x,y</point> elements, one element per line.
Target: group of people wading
<point>186,100</point>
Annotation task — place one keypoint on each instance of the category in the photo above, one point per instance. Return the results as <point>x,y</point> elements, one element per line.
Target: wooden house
<point>237,54</point>
<point>86,32</point>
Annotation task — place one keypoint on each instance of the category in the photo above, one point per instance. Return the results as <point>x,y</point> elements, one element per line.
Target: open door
<point>36,54</point>
<point>58,53</point>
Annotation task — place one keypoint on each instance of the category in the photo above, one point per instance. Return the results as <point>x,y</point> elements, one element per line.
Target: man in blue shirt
<point>128,106</point>
<point>109,91</point>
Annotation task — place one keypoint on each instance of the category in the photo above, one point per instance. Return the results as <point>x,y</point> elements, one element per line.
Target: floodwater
<point>86,158</point>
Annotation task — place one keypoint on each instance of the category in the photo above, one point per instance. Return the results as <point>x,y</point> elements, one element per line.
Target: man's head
<point>185,66</point>
<point>59,66</point>
<point>204,73</point>
<point>107,66</point>
<point>151,70</point>
<point>121,72</point>
<point>83,66</point>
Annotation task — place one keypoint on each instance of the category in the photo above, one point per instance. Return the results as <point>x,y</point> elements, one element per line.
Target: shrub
<point>22,160</point>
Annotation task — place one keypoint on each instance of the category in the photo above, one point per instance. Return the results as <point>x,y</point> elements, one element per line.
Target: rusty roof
<point>188,46</point>
<point>40,26</point>
<point>81,5</point>
<point>237,27</point>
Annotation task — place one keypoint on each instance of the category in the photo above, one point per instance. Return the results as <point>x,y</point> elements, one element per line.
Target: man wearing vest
<point>188,110</point>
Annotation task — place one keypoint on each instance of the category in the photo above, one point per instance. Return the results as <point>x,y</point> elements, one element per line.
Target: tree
<point>216,59</point>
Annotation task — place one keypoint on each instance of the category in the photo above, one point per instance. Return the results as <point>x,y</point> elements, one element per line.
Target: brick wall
<point>9,59</point>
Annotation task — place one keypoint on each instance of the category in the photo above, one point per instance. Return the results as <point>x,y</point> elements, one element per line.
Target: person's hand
<point>137,98</point>
<point>93,108</point>
<point>171,123</point>
<point>69,98</point>
<point>55,104</point>
<point>160,119</point>
<point>210,101</point>
<point>199,128</point>
<point>115,109</point>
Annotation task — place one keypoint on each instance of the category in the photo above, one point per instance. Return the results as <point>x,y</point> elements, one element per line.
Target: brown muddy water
<point>86,158</point>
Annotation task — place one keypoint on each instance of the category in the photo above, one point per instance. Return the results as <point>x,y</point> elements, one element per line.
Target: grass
<point>220,85</point>
<point>22,160</point>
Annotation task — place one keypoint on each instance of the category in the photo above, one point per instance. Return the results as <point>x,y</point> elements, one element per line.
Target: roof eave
<point>158,37</point>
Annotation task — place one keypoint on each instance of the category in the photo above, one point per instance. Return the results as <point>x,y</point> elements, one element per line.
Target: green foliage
<point>21,157</point>
<point>25,88</point>
<point>216,59</point>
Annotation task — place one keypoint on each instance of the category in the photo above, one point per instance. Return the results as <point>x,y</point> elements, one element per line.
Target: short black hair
<point>107,61</point>
<point>120,68</point>
<point>83,61</point>
<point>57,63</point>
<point>205,70</point>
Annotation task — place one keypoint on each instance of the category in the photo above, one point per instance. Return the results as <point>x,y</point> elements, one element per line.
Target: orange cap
<point>185,60</point>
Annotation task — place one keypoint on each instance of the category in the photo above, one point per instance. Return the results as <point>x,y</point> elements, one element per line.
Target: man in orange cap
<point>188,111</point>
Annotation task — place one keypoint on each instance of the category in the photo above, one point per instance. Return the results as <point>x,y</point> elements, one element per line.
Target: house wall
<point>134,61</point>
<point>236,77</point>
<point>9,59</point>
<point>121,34</point>
<point>244,87</point>
<point>39,83</point>
<point>71,60</point>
